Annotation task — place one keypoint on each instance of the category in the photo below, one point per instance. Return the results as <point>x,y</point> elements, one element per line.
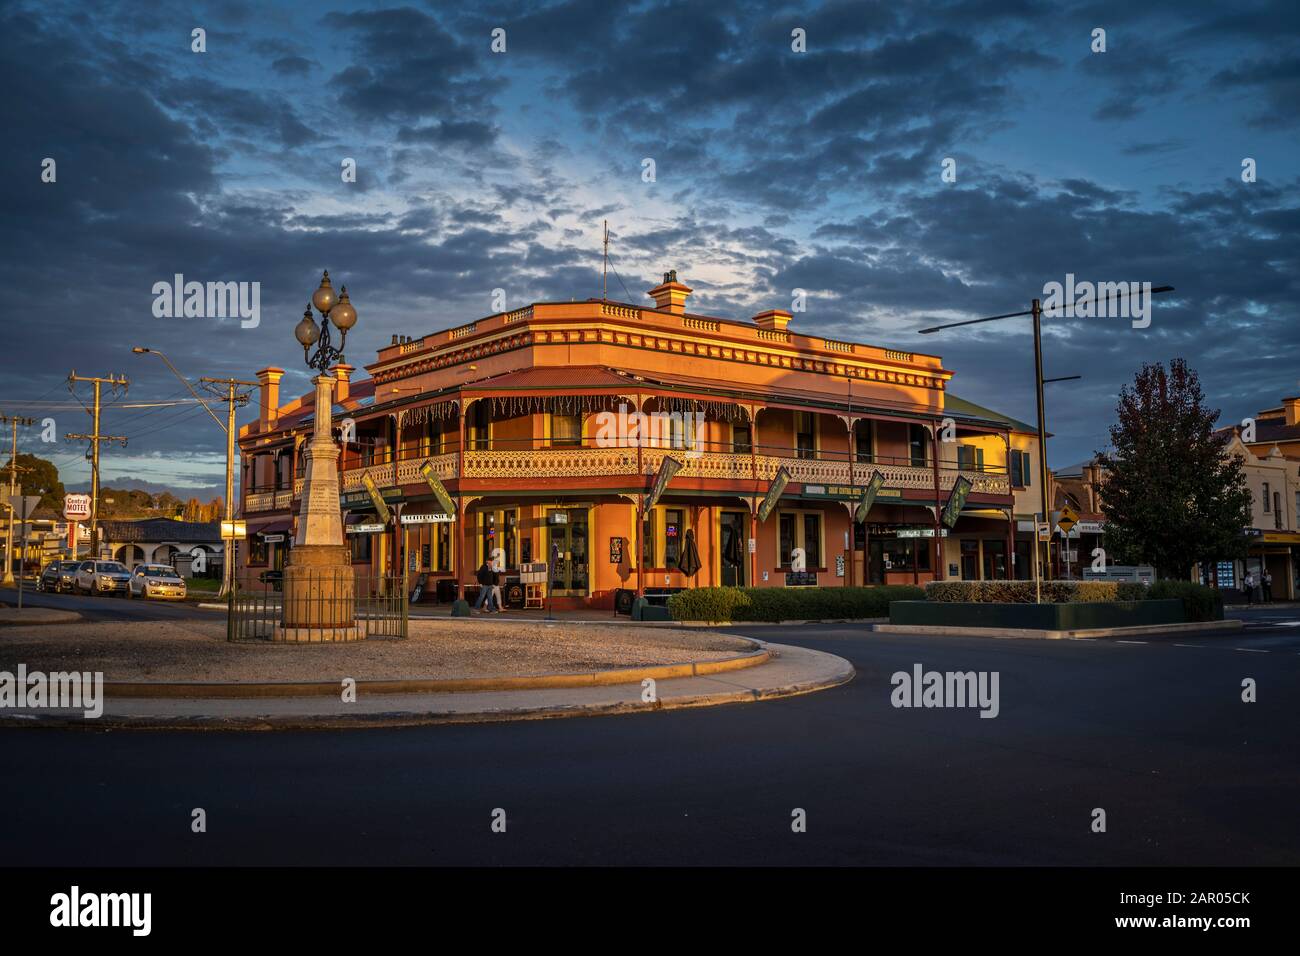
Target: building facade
<point>548,426</point>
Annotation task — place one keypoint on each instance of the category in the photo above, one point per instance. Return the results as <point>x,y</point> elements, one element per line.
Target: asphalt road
<point>1155,733</point>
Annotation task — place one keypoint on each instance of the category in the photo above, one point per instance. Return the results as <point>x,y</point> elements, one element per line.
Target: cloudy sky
<point>774,170</point>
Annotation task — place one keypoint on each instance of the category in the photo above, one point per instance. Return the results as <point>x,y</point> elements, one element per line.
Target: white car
<point>157,581</point>
<point>102,577</point>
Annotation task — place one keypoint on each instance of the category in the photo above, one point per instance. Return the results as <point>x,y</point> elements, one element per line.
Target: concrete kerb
<point>34,616</point>
<point>1078,634</point>
<point>790,671</point>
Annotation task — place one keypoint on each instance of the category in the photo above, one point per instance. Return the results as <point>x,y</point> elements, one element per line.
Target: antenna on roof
<point>604,272</point>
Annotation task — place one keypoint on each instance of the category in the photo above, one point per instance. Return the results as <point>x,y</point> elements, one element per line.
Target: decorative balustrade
<point>408,472</point>
<point>267,501</point>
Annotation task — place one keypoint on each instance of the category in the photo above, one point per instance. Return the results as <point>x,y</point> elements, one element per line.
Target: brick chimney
<point>343,374</point>
<point>773,320</point>
<point>269,399</point>
<point>671,295</point>
<point>1291,409</point>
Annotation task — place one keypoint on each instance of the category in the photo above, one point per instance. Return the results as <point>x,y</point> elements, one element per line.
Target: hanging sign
<point>439,490</point>
<point>667,468</point>
<point>774,492</point>
<point>869,495</point>
<point>376,499</point>
<point>952,509</point>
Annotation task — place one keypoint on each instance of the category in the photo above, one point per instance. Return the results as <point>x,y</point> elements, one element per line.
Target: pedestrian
<point>1248,586</point>
<point>1268,586</point>
<point>497,578</point>
<point>484,578</point>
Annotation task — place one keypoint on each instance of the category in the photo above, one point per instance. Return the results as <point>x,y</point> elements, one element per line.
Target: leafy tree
<point>1171,494</point>
<point>36,476</point>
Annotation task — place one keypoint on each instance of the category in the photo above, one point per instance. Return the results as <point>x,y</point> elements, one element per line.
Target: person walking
<point>484,578</point>
<point>1248,586</point>
<point>497,578</point>
<point>1268,586</point>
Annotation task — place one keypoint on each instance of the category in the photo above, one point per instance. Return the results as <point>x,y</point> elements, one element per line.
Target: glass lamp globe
<point>343,315</point>
<point>324,298</point>
<point>305,331</point>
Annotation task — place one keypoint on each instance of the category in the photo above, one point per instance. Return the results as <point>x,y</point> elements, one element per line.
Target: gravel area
<point>198,651</point>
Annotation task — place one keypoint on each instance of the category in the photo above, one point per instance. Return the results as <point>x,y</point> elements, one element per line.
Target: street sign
<point>1044,531</point>
<point>1067,520</point>
<point>76,507</point>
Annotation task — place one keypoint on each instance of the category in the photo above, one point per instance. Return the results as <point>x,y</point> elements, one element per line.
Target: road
<point>1155,733</point>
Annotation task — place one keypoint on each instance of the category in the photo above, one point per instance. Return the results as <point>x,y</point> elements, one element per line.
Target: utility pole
<point>233,400</point>
<point>13,421</point>
<point>604,272</point>
<point>115,382</point>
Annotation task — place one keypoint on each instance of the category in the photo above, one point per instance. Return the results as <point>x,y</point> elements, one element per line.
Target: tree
<point>36,476</point>
<point>1171,494</point>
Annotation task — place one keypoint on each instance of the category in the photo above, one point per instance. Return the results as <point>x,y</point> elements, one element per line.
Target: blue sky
<point>775,170</point>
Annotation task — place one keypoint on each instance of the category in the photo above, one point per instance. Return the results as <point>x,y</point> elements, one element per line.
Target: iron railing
<point>320,607</point>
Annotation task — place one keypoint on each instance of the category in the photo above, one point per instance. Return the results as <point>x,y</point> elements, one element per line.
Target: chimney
<point>773,320</point>
<point>269,382</point>
<point>671,295</point>
<point>1291,409</point>
<point>343,373</point>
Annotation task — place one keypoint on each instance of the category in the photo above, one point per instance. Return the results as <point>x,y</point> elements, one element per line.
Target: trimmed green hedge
<point>787,604</point>
<point>1023,592</point>
<point>1201,603</point>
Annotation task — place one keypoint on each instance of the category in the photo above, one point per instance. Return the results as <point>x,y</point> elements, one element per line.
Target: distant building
<point>192,547</point>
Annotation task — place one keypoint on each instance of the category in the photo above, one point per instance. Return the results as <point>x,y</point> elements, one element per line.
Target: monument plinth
<point>319,588</point>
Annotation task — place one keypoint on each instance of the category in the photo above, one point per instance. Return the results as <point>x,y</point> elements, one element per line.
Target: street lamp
<point>335,310</point>
<point>319,588</point>
<point>1036,311</point>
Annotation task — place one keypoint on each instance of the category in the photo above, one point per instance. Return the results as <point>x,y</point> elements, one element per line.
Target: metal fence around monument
<point>379,608</point>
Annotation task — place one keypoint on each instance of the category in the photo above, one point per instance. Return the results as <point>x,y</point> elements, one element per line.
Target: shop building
<point>547,427</point>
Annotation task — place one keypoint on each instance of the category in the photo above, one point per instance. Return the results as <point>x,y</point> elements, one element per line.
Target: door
<point>567,551</point>
<point>970,560</point>
<point>733,548</point>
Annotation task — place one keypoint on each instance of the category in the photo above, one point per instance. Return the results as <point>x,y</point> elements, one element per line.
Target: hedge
<point>788,604</point>
<point>1025,592</point>
<point>1200,602</point>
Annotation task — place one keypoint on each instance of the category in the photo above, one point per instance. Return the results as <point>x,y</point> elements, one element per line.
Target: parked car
<point>103,577</point>
<point>156,581</point>
<point>58,576</point>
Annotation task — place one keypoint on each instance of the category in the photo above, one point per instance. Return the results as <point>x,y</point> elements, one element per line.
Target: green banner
<point>774,492</point>
<point>440,493</point>
<point>869,496</point>
<point>952,510</point>
<point>381,507</point>
<point>667,468</point>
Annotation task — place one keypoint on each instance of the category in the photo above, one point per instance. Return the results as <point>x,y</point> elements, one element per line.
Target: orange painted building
<point>548,425</point>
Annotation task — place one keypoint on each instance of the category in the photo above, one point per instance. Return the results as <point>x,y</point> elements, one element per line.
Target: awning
<point>278,526</point>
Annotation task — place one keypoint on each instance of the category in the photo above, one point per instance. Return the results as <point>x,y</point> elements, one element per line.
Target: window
<point>970,458</point>
<point>742,440</point>
<point>812,540</point>
<point>282,463</point>
<point>361,544</point>
<point>918,440</point>
<point>1277,510</point>
<point>1018,465</point>
<point>786,539</point>
<point>864,439</point>
<point>648,541</point>
<point>442,537</point>
<point>256,549</point>
<point>805,435</point>
<point>566,430</point>
<point>1266,498</point>
<point>800,529</point>
<point>479,424</point>
<point>673,532</point>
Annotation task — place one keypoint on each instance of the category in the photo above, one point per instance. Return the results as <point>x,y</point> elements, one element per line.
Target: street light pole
<point>1036,312</point>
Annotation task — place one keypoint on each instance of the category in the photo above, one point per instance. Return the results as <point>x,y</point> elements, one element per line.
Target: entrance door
<point>567,551</point>
<point>733,547</point>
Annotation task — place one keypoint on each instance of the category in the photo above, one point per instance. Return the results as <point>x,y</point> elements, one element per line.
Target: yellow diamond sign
<point>1067,520</point>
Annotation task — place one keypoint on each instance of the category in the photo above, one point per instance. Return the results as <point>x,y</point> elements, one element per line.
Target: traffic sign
<point>1067,520</point>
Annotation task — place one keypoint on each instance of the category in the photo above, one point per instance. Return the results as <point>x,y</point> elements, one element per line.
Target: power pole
<point>13,421</point>
<point>115,382</point>
<point>604,271</point>
<point>233,400</point>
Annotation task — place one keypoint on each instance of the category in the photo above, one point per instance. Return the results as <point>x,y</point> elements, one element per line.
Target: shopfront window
<point>786,543</point>
<point>812,540</point>
<point>648,542</point>
<point>673,532</point>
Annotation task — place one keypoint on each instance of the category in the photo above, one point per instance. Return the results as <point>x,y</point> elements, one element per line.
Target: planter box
<point>1043,617</point>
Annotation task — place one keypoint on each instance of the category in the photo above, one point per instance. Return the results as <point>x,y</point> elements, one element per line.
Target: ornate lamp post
<point>319,590</point>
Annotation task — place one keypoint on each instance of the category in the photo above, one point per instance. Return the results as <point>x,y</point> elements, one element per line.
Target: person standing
<point>484,578</point>
<point>1268,586</point>
<point>1248,586</point>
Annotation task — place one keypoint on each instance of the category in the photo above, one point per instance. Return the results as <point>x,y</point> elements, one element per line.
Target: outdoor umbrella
<point>733,552</point>
<point>689,564</point>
